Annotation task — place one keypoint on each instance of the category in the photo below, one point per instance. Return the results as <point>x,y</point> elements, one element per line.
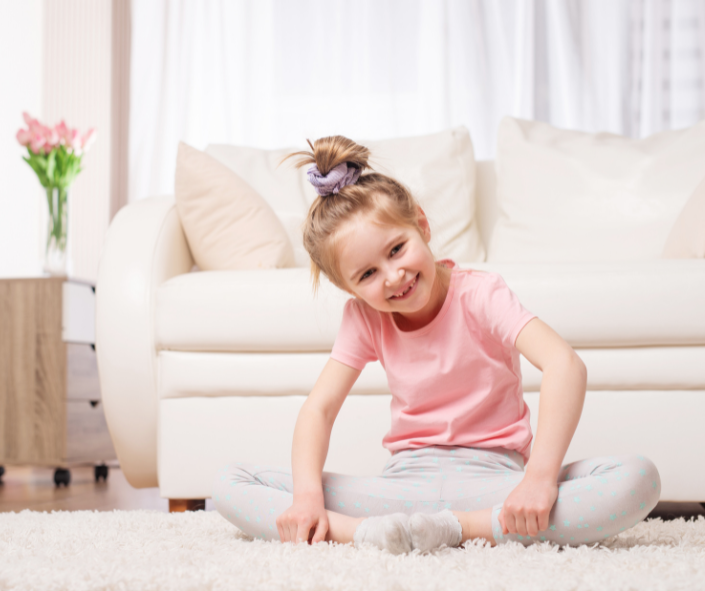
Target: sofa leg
<point>181,505</point>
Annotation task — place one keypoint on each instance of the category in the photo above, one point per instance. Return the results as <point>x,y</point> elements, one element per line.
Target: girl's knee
<point>231,475</point>
<point>641,465</point>
<point>646,477</point>
<point>648,470</point>
<point>644,467</point>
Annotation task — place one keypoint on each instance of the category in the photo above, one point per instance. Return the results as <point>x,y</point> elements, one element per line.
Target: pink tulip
<point>73,139</point>
<point>89,138</point>
<point>34,125</point>
<point>24,137</point>
<point>37,142</point>
<point>43,139</point>
<point>62,130</point>
<point>51,137</point>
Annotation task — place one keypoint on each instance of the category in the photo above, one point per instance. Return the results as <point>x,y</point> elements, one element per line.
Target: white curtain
<point>271,73</point>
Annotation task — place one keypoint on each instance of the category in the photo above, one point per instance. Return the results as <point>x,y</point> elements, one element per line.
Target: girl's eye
<point>365,275</point>
<point>398,246</point>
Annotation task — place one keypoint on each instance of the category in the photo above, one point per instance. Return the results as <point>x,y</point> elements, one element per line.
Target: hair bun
<point>337,162</point>
<point>338,177</point>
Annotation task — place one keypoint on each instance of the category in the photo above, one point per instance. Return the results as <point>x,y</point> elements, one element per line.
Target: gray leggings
<point>597,498</point>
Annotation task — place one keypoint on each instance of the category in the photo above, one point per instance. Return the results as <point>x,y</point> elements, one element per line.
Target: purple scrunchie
<point>338,177</point>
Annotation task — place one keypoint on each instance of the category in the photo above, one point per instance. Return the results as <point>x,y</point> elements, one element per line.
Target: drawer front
<point>87,436</point>
<point>77,313</point>
<point>81,373</point>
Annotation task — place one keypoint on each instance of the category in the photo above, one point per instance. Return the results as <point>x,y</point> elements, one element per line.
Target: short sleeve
<point>354,345</point>
<point>503,314</point>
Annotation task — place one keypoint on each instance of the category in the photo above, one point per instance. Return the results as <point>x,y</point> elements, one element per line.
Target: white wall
<point>21,195</point>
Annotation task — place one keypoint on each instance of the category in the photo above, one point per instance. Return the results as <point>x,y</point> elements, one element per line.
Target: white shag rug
<point>134,550</point>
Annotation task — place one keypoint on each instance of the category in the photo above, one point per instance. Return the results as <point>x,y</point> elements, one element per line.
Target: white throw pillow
<point>438,168</point>
<point>572,196</point>
<point>687,237</point>
<point>282,186</point>
<point>228,226</point>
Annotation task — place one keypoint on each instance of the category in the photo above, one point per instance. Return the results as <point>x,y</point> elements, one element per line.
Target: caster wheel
<point>62,476</point>
<point>101,472</point>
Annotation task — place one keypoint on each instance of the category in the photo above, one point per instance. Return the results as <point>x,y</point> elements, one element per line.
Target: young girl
<point>449,340</point>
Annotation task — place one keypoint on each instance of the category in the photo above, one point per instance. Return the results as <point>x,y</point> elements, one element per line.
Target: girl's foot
<point>432,531</point>
<point>387,532</point>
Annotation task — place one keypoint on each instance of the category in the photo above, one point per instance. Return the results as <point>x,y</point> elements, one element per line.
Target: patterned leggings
<point>598,497</point>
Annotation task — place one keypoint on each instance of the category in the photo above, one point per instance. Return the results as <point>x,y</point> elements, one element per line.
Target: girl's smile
<point>408,290</point>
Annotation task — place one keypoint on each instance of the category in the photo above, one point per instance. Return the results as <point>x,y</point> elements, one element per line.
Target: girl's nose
<point>401,273</point>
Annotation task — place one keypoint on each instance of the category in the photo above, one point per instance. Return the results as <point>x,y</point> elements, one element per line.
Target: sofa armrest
<point>145,246</point>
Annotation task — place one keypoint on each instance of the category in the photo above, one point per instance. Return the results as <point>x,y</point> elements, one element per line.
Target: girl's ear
<point>424,225</point>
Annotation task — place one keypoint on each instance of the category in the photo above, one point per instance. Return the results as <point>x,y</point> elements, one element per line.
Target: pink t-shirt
<point>455,381</point>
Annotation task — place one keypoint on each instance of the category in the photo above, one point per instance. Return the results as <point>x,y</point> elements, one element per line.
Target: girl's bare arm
<point>563,387</point>
<point>315,423</point>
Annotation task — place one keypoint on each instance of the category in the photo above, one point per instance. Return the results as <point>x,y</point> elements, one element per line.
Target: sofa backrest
<point>574,196</point>
<point>566,195</point>
<point>487,211</point>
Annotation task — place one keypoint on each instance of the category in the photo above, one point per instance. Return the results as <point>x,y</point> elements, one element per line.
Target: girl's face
<point>389,267</point>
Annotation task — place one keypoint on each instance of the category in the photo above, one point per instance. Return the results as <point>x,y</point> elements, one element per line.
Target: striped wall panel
<point>77,81</point>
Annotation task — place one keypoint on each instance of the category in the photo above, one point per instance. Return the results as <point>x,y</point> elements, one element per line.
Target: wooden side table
<point>50,411</point>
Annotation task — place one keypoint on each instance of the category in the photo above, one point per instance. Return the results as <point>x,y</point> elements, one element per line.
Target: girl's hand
<point>297,522</point>
<point>526,509</point>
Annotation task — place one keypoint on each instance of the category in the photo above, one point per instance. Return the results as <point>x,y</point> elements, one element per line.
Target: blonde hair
<point>381,197</point>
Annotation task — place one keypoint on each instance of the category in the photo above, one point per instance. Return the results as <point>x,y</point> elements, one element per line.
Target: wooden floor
<point>33,488</point>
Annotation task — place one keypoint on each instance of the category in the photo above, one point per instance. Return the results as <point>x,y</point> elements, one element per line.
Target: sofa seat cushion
<point>187,374</point>
<point>590,304</point>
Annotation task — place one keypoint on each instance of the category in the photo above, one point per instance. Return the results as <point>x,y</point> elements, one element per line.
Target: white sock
<point>432,531</point>
<point>387,532</point>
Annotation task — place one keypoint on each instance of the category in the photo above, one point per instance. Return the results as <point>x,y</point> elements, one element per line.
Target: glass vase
<point>55,254</point>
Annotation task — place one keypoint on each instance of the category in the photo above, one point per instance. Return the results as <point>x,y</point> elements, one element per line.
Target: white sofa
<point>201,368</point>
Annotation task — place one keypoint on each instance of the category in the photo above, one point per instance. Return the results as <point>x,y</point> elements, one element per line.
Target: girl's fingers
<point>503,521</point>
<point>510,523</point>
<point>320,533</point>
<point>302,533</point>
<point>532,526</point>
<point>524,526</point>
<point>543,522</point>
